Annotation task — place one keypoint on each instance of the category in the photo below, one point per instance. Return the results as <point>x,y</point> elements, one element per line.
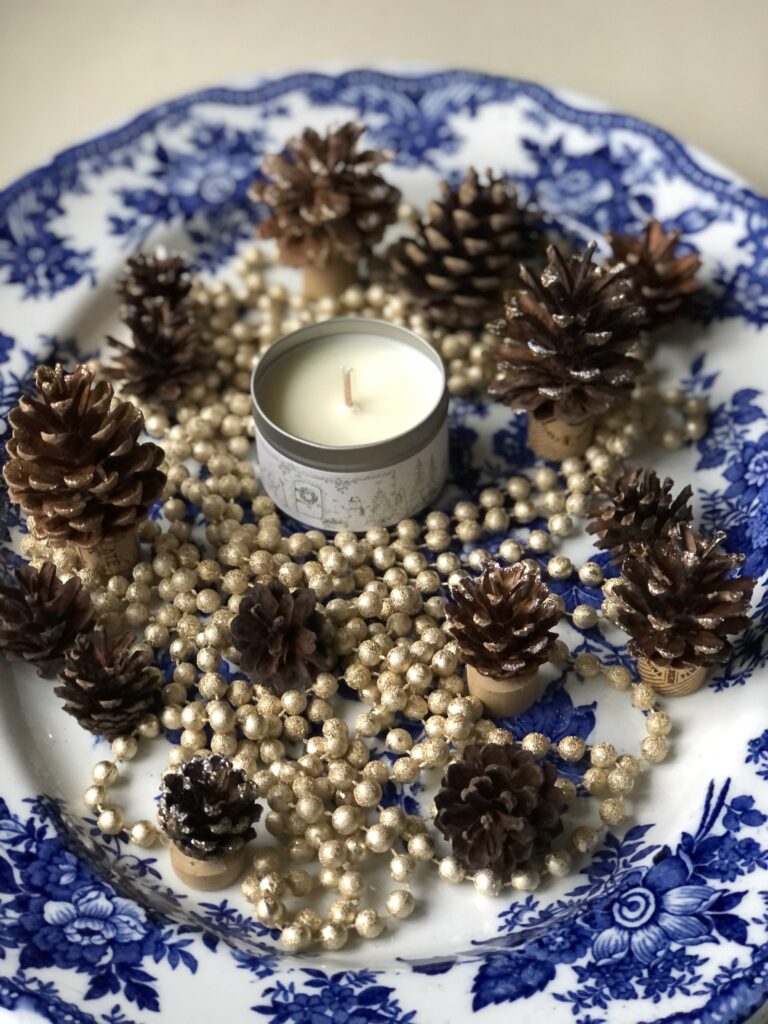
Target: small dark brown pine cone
<point>499,808</point>
<point>108,686</point>
<point>277,633</point>
<point>640,509</point>
<point>565,338</point>
<point>327,198</point>
<point>664,283</point>
<point>165,357</point>
<point>154,276</point>
<point>466,252</point>
<point>75,464</point>
<point>502,619</point>
<point>208,807</point>
<point>679,601</point>
<point>41,616</point>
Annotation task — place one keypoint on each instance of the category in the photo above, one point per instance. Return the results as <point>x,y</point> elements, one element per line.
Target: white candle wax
<point>393,387</point>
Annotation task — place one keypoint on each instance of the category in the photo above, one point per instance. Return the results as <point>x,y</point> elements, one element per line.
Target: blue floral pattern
<point>89,932</point>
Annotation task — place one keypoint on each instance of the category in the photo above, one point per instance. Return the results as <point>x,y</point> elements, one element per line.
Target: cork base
<point>503,697</point>
<point>553,439</point>
<point>207,875</point>
<point>672,682</point>
<point>331,280</point>
<point>113,556</point>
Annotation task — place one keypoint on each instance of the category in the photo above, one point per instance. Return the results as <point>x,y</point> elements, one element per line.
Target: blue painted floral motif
<point>203,185</point>
<point>55,911</point>
<point>744,287</point>
<point>348,997</point>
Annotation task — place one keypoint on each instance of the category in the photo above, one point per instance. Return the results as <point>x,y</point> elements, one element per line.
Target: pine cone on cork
<point>75,463</point>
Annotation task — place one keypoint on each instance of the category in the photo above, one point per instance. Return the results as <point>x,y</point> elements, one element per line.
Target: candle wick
<point>347,375</point>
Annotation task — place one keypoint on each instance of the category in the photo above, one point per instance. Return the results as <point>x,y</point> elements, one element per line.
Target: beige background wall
<point>69,68</point>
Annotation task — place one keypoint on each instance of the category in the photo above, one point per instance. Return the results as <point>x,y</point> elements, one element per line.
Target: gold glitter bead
<point>587,665</point>
<point>143,834</point>
<point>558,863</point>
<point>612,810</point>
<point>525,881</point>
<point>603,755</point>
<point>585,839</point>
<point>295,938</point>
<point>571,748</point>
<point>618,676</point>
<point>595,780</point>
<point>658,723</point>
<point>111,821</point>
<point>560,567</point>
<point>536,743</point>
<point>400,903</point>
<point>654,749</point>
<point>591,574</point>
<point>584,616</point>
<point>643,696</point>
<point>620,780</point>
<point>567,788</point>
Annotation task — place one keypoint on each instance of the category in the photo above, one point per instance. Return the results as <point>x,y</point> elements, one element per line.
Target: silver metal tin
<point>352,486</point>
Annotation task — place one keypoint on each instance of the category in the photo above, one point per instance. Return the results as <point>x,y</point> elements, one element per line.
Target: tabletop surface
<point>698,68</point>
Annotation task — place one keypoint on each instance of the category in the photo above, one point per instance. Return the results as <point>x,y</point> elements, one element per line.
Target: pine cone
<point>664,284</point>
<point>565,339</point>
<point>41,616</point>
<point>75,464</point>
<point>640,510</point>
<point>208,807</point>
<point>502,619</point>
<point>154,276</point>
<point>328,201</point>
<point>107,686</point>
<point>276,632</point>
<point>466,252</point>
<point>498,807</point>
<point>679,601</point>
<point>165,357</point>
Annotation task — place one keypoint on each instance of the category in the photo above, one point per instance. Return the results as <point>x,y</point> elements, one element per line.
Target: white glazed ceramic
<point>668,922</point>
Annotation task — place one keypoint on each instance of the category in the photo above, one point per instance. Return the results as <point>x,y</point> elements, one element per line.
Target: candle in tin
<point>351,427</point>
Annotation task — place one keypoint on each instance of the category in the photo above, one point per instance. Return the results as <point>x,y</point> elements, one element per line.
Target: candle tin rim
<point>356,457</point>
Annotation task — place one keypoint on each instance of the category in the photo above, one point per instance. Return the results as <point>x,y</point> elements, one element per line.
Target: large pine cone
<point>75,464</point>
<point>640,510</point>
<point>208,807</point>
<point>41,616</point>
<point>327,198</point>
<point>154,276</point>
<point>466,252</point>
<point>679,601</point>
<point>107,686</point>
<point>498,807</point>
<point>277,632</point>
<point>664,283</point>
<point>165,357</point>
<point>502,620</point>
<point>565,340</point>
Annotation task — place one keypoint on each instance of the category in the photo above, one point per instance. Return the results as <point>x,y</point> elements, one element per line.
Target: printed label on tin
<point>332,500</point>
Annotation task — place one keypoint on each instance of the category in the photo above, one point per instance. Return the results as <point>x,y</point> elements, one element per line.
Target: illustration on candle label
<point>334,500</point>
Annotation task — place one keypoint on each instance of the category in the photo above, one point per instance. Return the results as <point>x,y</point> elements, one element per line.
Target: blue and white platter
<point>668,922</point>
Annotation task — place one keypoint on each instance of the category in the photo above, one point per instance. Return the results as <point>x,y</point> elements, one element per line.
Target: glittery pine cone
<point>664,283</point>
<point>502,620</point>
<point>277,633</point>
<point>328,201</point>
<point>499,808</point>
<point>40,616</point>
<point>108,686</point>
<point>208,807</point>
<point>157,276</point>
<point>466,252</point>
<point>166,354</point>
<point>640,509</point>
<point>679,601</point>
<point>565,338</point>
<point>75,464</point>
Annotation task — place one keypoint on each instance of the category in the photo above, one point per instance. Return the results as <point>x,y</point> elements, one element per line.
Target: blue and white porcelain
<point>668,922</point>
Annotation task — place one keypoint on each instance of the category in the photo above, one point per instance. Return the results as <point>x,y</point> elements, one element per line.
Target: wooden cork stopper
<point>503,697</point>
<point>208,875</point>
<point>331,280</point>
<point>672,682</point>
<point>115,555</point>
<point>556,440</point>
